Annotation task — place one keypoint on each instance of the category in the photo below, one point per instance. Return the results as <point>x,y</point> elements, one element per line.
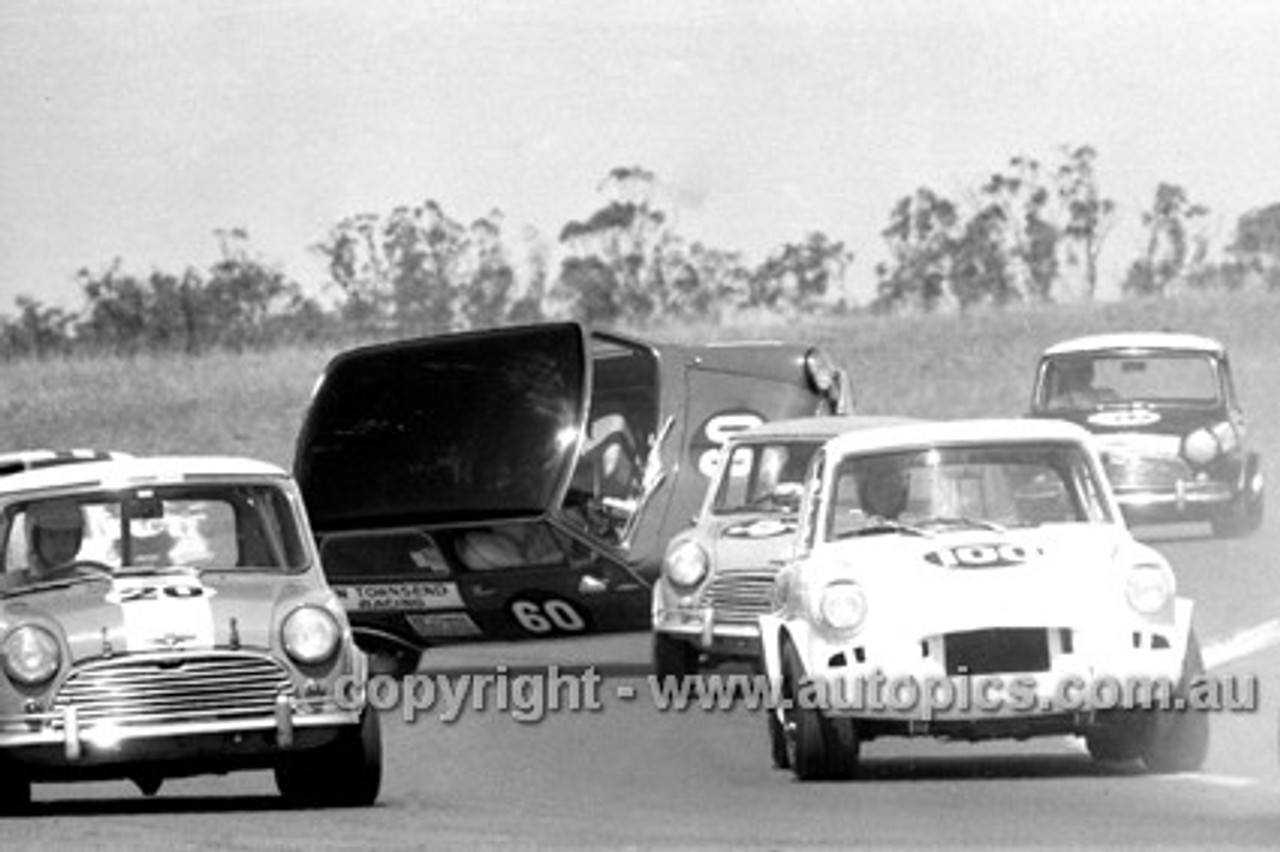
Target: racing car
<point>717,576</point>
<point>523,482</point>
<point>974,580</point>
<point>1169,420</point>
<point>164,617</point>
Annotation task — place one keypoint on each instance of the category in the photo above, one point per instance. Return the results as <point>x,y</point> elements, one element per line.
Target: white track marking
<point>1251,640</point>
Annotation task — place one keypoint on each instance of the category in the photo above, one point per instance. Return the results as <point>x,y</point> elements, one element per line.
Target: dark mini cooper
<point>523,482</point>
<point>1170,425</point>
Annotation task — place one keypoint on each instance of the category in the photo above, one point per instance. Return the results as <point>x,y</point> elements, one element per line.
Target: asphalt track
<point>626,775</point>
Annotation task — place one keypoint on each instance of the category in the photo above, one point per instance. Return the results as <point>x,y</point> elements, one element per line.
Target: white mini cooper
<point>974,580</point>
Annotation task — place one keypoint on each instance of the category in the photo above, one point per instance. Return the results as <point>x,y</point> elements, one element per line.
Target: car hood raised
<point>157,612</point>
<point>451,429</point>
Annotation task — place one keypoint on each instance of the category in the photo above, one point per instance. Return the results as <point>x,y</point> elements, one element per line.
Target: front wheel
<point>345,773</point>
<point>1242,517</point>
<point>1177,738</point>
<point>673,657</point>
<point>398,661</point>
<point>817,748</point>
<point>15,791</point>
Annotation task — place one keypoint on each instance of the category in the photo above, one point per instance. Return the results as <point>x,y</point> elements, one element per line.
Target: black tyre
<point>777,740</point>
<point>15,791</point>
<point>817,748</point>
<point>1242,517</point>
<point>673,657</point>
<point>1177,739</point>
<point>345,773</point>
<point>1118,741</point>
<point>398,661</point>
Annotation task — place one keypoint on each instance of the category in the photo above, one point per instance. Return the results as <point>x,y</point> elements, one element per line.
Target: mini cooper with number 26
<point>165,617</point>
<point>975,580</point>
<point>523,482</point>
<point>1169,423</point>
<point>717,576</point>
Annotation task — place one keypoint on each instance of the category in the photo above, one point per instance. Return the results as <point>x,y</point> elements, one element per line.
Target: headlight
<point>842,606</point>
<point>686,565</point>
<point>1149,588</point>
<point>31,655</point>
<point>1203,445</point>
<point>310,635</point>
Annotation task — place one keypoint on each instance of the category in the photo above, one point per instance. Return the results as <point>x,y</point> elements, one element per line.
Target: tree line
<point>1032,231</point>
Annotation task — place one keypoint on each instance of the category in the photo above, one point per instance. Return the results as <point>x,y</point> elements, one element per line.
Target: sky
<point>135,130</point>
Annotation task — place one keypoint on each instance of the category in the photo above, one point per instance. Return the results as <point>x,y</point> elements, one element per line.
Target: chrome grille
<point>171,688</point>
<point>1153,473</point>
<point>740,596</point>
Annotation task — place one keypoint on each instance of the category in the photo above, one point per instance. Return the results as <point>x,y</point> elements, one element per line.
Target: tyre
<point>1117,741</point>
<point>1243,516</point>
<point>1177,739</point>
<point>15,791</point>
<point>398,661</point>
<point>345,773</point>
<point>673,657</point>
<point>777,740</point>
<point>817,748</point>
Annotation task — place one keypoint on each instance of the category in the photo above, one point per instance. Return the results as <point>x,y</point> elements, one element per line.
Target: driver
<point>56,533</point>
<point>883,491</point>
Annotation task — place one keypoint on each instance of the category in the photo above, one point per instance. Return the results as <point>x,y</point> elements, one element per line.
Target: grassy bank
<point>942,366</point>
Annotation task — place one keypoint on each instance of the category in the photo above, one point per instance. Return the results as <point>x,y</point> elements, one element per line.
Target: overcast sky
<point>135,129</point>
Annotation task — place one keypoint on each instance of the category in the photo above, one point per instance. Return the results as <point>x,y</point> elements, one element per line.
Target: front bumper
<point>701,629</point>
<point>58,739</point>
<point>1186,501</point>
<point>1063,678</point>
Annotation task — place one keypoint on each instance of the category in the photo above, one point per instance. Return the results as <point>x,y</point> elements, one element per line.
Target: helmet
<point>883,490</point>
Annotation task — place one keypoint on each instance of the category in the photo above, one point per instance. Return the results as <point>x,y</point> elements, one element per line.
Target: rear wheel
<point>673,657</point>
<point>1177,738</point>
<point>345,773</point>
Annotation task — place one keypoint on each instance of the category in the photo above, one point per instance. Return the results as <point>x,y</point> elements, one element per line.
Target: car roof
<point>130,471</point>
<point>819,428</point>
<point>1137,340</point>
<point>984,431</point>
<point>16,461</point>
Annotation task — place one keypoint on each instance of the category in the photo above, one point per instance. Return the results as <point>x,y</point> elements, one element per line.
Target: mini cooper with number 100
<point>1169,423</point>
<point>522,482</point>
<point>164,617</point>
<point>974,580</point>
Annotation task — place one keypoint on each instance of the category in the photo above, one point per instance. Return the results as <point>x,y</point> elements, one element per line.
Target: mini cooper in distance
<point>717,577</point>
<point>1169,422</point>
<point>523,482</point>
<point>164,617</point>
<point>974,558</point>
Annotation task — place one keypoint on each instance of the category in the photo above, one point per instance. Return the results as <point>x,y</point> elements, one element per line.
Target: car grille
<point>1154,473</point>
<point>996,651</point>
<point>738,597</point>
<point>170,689</point>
